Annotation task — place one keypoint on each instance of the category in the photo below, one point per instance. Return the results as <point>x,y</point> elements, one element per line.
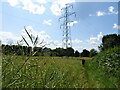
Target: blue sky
<point>92,21</point>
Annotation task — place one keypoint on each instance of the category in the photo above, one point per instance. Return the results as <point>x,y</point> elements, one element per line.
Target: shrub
<point>107,63</point>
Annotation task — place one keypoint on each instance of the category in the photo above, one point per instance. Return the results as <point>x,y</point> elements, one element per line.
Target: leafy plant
<point>105,68</point>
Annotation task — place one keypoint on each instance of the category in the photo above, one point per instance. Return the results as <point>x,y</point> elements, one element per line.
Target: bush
<point>107,63</point>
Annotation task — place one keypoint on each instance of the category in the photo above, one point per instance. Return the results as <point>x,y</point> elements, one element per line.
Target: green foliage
<point>93,52</point>
<point>77,54</point>
<point>42,72</point>
<point>62,72</point>
<point>70,52</point>
<point>85,53</point>
<point>110,60</point>
<point>109,41</point>
<point>60,52</point>
<point>16,50</point>
<point>105,68</point>
<point>39,51</point>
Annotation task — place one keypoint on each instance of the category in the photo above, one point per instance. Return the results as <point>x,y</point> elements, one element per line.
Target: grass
<point>43,72</point>
<point>62,72</point>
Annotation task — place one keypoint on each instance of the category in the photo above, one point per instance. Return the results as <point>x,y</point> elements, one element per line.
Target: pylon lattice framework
<point>66,41</point>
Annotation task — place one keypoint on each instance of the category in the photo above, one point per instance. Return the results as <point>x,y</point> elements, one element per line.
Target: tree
<point>46,49</point>
<point>29,51</point>
<point>85,53</point>
<point>53,53</point>
<point>109,41</point>
<point>77,54</point>
<point>19,50</point>
<point>60,52</point>
<point>38,50</point>
<point>70,52</point>
<point>7,49</point>
<point>93,52</point>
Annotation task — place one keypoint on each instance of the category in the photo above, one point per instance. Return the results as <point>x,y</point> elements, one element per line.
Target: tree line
<point>60,52</point>
<point>108,41</point>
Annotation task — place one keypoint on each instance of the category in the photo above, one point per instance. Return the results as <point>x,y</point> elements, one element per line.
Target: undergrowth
<point>104,69</point>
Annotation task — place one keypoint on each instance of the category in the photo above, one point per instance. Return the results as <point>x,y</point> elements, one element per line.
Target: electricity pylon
<point>66,41</point>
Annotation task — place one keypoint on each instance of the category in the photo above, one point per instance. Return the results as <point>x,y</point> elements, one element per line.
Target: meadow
<point>43,72</point>
<point>101,71</point>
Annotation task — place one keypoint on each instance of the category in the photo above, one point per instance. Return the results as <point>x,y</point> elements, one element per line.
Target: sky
<point>41,17</point>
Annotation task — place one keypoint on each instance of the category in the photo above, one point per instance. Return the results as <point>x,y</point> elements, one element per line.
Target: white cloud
<point>111,11</point>
<point>62,3</point>
<point>56,10</point>
<point>42,36</point>
<point>48,22</point>
<point>72,23</point>
<point>36,6</point>
<point>13,2</point>
<point>58,5</point>
<point>55,44</point>
<point>116,26</point>
<point>95,40</point>
<point>99,13</point>
<point>76,41</point>
<point>87,47</point>
<point>42,32</point>
<point>79,48</point>
<point>33,8</point>
<point>111,8</point>
<point>8,38</point>
<point>29,5</point>
<point>41,1</point>
<point>100,36</point>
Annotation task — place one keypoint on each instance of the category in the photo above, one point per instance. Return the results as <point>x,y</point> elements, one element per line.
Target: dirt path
<point>86,79</point>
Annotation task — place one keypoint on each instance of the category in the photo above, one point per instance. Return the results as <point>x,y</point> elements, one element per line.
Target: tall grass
<point>43,72</point>
<point>15,70</point>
